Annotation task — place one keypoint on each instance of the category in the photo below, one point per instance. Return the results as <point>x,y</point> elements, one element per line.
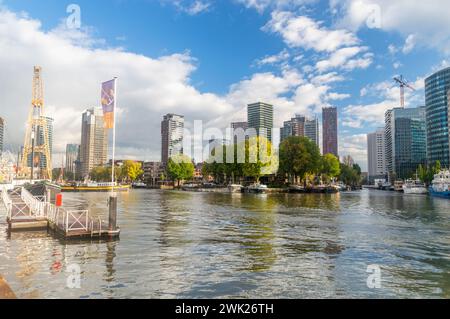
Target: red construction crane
<point>403,83</point>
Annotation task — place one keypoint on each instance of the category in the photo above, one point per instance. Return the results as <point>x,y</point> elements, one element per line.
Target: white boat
<point>414,186</point>
<point>441,185</point>
<point>257,188</point>
<point>235,188</point>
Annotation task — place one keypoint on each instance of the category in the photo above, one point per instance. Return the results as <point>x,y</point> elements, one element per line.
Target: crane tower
<point>36,158</point>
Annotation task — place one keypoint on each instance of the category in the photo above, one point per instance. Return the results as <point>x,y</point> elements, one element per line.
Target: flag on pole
<point>109,103</point>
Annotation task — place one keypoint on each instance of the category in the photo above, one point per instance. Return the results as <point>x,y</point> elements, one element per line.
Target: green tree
<point>330,166</point>
<point>299,156</point>
<point>180,168</point>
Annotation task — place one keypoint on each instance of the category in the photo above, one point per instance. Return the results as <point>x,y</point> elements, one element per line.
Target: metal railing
<point>35,203</point>
<point>77,220</point>
<point>36,206</point>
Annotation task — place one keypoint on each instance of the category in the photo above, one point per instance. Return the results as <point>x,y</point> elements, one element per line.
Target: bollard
<point>112,203</point>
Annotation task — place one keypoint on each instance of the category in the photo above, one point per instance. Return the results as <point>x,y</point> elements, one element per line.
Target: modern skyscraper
<point>2,132</point>
<point>72,151</point>
<point>376,154</point>
<point>172,127</point>
<point>312,129</point>
<point>330,131</point>
<point>260,118</point>
<point>40,140</point>
<point>405,141</point>
<point>94,141</point>
<point>437,102</point>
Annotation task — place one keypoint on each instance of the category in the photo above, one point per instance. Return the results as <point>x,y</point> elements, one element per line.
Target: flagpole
<point>114,137</point>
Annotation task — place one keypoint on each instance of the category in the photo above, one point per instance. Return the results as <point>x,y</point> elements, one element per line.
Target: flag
<point>109,102</point>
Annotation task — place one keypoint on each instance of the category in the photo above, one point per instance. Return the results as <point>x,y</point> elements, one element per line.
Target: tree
<point>132,171</point>
<point>180,168</point>
<point>299,156</point>
<point>330,166</point>
<point>351,175</point>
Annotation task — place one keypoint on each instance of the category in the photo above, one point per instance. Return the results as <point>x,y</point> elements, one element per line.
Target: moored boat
<point>95,187</point>
<point>257,188</point>
<point>440,186</point>
<point>414,186</point>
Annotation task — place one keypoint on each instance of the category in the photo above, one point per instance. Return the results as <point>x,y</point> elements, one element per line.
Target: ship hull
<point>439,194</point>
<point>74,189</point>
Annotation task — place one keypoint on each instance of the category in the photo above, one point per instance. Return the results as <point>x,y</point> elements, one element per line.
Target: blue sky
<point>207,59</point>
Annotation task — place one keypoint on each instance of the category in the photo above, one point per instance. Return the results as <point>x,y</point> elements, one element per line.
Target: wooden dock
<point>28,212</point>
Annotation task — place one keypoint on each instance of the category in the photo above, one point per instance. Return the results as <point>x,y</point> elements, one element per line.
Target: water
<point>197,245</point>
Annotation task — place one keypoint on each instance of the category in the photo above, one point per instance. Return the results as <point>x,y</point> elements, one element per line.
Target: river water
<point>203,245</point>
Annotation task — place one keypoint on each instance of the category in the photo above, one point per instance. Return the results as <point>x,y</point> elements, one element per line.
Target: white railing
<point>37,206</point>
<point>77,220</point>
<point>6,201</point>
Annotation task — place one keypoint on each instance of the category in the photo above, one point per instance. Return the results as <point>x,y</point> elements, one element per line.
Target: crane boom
<point>403,83</point>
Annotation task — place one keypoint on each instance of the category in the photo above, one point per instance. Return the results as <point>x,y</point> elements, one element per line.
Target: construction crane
<point>36,149</point>
<point>403,83</point>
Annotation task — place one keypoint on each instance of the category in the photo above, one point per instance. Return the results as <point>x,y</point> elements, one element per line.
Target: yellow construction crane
<point>36,158</point>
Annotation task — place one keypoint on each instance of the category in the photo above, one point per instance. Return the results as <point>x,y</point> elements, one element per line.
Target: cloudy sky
<point>207,59</point>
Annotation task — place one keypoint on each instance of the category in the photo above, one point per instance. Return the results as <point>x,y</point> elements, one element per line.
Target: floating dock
<point>28,212</point>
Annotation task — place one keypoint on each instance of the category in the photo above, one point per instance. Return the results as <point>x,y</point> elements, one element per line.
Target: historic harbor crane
<point>36,149</point>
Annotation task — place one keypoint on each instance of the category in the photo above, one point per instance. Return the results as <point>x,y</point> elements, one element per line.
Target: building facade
<point>330,131</point>
<point>153,173</point>
<point>2,134</point>
<point>376,159</point>
<point>312,130</point>
<point>301,126</point>
<point>437,101</point>
<point>172,127</point>
<point>72,151</point>
<point>260,118</point>
<point>94,141</point>
<point>405,141</point>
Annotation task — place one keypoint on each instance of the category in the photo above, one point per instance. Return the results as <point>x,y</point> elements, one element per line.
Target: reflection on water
<point>178,244</point>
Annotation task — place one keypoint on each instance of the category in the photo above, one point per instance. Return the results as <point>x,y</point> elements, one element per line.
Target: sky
<point>208,59</point>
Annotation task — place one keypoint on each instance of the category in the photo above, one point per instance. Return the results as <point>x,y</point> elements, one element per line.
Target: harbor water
<point>207,245</point>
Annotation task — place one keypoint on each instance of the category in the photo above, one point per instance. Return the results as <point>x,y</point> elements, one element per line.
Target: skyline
<point>188,80</point>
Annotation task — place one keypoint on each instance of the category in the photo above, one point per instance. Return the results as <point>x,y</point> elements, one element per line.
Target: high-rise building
<point>239,125</point>
<point>405,141</point>
<point>94,141</point>
<point>40,140</point>
<point>376,154</point>
<point>437,102</point>
<point>260,118</point>
<point>301,126</point>
<point>172,127</point>
<point>2,132</point>
<point>312,130</point>
<point>330,131</point>
<point>72,151</point>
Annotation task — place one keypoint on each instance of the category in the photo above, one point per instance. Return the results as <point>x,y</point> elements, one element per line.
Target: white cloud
<point>343,58</point>
<point>274,59</point>
<point>304,32</point>
<point>427,20</point>
<point>148,87</point>
<point>356,147</point>
<point>262,5</point>
<point>191,7</point>
<point>410,43</point>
